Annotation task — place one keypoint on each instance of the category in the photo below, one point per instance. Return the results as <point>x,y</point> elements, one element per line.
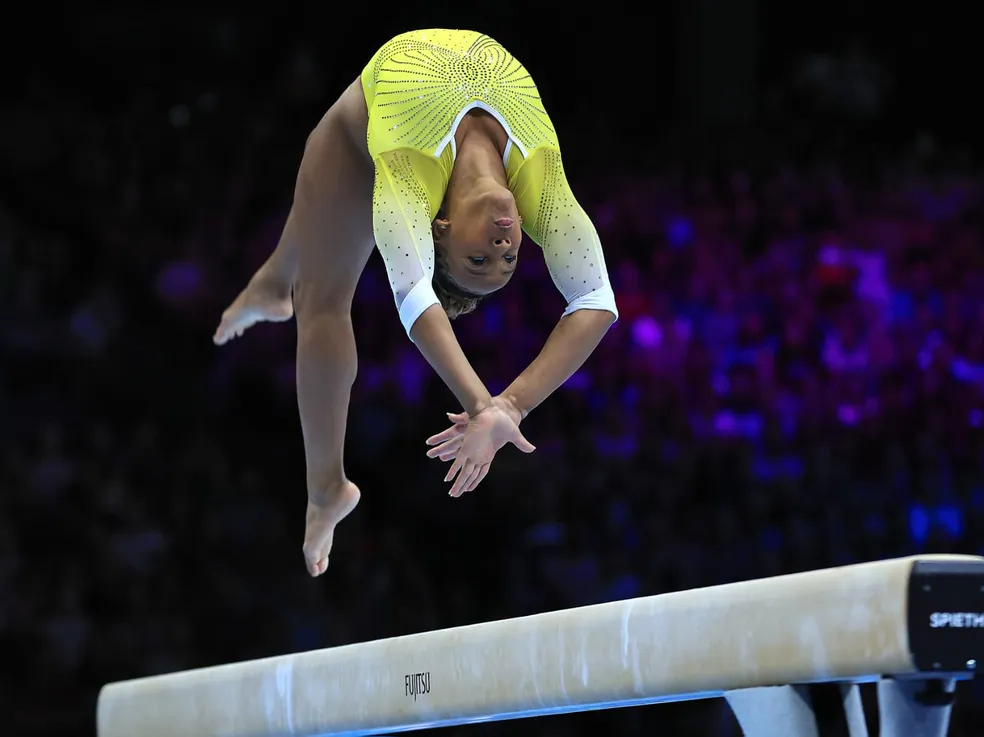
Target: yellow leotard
<point>418,87</point>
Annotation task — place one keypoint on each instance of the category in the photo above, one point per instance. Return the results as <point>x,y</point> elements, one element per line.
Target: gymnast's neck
<point>481,143</point>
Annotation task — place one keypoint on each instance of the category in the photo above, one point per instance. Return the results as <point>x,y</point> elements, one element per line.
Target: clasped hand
<point>472,442</point>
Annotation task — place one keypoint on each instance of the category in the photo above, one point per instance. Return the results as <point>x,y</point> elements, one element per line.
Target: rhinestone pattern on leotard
<point>424,79</point>
<point>560,226</point>
<point>402,225</point>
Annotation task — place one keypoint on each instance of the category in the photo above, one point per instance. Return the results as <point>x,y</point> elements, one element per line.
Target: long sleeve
<point>571,248</point>
<point>401,219</point>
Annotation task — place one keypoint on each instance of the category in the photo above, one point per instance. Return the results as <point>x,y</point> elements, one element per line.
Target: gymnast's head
<point>477,236</point>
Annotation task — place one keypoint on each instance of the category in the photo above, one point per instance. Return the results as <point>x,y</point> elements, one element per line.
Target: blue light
<point>679,232</point>
<point>950,518</point>
<point>918,524</point>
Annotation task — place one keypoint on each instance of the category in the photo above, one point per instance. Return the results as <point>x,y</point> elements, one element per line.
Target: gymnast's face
<point>481,240</point>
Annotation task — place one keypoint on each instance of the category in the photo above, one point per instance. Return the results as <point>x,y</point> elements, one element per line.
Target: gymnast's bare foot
<point>322,517</point>
<point>263,300</point>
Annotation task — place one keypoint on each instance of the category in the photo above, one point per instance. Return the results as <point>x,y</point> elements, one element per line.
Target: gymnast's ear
<point>440,228</point>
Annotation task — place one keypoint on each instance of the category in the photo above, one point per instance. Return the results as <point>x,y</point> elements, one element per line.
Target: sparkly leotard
<point>418,87</point>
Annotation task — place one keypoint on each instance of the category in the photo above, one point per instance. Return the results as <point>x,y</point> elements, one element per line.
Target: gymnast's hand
<point>449,440</point>
<point>473,442</point>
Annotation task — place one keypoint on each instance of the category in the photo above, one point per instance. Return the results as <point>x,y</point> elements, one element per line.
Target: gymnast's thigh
<point>331,219</point>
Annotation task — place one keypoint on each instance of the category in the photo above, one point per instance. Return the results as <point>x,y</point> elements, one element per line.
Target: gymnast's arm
<point>573,339</point>
<point>402,227</point>
<point>434,338</point>
<point>574,258</point>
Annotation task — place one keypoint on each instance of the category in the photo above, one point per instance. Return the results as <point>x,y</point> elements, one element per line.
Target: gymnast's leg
<point>333,231</point>
<point>324,248</point>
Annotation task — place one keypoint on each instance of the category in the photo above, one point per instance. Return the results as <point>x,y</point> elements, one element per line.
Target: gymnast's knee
<point>326,322</point>
<point>316,299</point>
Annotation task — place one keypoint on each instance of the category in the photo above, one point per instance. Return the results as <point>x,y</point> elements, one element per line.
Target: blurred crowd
<point>796,381</point>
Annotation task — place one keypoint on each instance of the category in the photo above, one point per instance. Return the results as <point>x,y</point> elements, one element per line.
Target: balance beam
<point>910,618</point>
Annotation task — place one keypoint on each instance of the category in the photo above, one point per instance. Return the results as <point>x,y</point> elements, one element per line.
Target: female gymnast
<point>440,155</point>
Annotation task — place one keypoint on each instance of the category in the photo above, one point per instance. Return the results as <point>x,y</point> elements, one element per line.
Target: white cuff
<point>416,302</point>
<point>599,299</point>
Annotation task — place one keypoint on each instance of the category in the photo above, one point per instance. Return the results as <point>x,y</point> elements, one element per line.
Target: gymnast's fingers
<point>446,450</point>
<point>482,473</point>
<point>466,480</point>
<point>449,455</point>
<point>455,467</point>
<point>449,451</point>
<point>445,435</point>
<point>468,471</point>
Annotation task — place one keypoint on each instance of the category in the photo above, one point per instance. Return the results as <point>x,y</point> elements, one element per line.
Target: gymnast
<point>440,155</point>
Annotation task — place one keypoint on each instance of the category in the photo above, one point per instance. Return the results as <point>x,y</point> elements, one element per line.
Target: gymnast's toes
<point>316,556</point>
<point>316,566</point>
<point>320,523</point>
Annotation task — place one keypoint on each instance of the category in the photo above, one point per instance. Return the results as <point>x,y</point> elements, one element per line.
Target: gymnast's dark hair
<point>455,300</point>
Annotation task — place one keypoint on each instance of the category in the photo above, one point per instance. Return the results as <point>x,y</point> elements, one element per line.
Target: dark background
<point>790,200</point>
